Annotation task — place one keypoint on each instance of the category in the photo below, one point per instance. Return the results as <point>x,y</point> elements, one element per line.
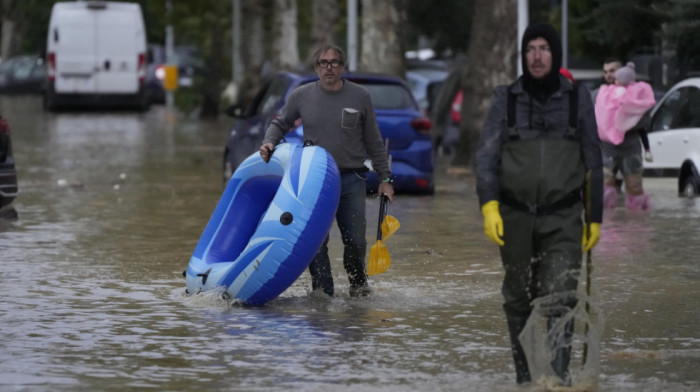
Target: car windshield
<point>187,57</point>
<point>388,96</point>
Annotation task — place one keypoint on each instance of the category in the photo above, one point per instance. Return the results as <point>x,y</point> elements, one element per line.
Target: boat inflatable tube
<point>270,222</point>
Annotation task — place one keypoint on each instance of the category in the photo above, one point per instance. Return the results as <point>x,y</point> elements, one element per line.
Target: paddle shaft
<point>589,262</point>
<point>383,199</point>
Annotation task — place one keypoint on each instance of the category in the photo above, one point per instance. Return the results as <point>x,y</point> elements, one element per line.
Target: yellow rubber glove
<point>493,223</point>
<point>589,242</point>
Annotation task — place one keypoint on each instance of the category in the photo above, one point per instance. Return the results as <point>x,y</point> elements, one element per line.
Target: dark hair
<point>323,49</point>
<point>612,60</point>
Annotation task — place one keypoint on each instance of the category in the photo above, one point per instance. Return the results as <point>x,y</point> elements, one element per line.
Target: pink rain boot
<point>609,196</point>
<point>638,202</point>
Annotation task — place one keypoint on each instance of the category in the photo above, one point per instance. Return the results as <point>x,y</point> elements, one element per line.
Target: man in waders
<point>537,144</point>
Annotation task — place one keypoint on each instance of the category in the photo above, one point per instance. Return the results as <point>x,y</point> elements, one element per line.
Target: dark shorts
<point>627,164</point>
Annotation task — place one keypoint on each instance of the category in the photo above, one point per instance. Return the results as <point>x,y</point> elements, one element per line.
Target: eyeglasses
<point>335,63</point>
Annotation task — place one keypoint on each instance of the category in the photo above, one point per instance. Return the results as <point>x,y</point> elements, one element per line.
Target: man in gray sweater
<point>338,116</point>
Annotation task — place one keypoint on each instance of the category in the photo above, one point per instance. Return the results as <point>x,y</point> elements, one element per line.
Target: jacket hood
<point>541,89</point>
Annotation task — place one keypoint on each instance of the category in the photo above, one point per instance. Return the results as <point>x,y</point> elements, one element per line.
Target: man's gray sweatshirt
<point>343,122</point>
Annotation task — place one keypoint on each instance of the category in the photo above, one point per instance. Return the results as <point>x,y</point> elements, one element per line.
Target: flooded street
<point>111,206</point>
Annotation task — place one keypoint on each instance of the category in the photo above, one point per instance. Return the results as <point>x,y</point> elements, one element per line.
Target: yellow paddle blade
<point>389,226</point>
<point>379,259</point>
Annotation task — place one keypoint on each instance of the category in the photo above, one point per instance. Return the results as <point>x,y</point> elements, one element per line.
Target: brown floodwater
<point>112,204</point>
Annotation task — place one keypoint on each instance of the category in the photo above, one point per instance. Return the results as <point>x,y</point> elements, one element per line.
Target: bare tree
<point>211,94</point>
<point>11,29</point>
<point>285,47</point>
<point>382,49</point>
<point>253,30</point>
<point>492,61</point>
<point>325,16</point>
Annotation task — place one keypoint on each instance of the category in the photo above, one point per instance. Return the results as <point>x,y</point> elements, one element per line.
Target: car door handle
<point>686,140</point>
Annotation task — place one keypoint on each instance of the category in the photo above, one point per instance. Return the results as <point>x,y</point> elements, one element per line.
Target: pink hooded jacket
<point>619,108</point>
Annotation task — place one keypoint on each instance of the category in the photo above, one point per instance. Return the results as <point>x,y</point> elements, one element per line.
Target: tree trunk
<point>492,61</point>
<point>253,44</point>
<point>325,16</point>
<point>285,48</point>
<point>8,27</point>
<point>10,40</point>
<point>382,49</point>
<point>211,96</point>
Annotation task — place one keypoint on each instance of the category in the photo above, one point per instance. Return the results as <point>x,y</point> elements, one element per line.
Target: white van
<point>96,55</point>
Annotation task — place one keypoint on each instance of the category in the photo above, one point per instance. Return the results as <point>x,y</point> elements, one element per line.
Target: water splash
<point>543,336</point>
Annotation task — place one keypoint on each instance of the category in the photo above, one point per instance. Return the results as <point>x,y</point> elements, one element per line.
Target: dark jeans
<point>351,221</point>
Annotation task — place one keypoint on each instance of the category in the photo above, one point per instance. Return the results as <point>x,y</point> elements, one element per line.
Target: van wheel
<point>144,102</point>
<point>690,186</point>
<point>49,102</point>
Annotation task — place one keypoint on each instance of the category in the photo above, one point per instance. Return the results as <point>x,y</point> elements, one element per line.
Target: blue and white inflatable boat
<point>268,225</point>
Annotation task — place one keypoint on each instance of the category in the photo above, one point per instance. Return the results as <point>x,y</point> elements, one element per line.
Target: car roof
<point>690,82</point>
<point>586,74</point>
<point>695,82</point>
<point>427,74</point>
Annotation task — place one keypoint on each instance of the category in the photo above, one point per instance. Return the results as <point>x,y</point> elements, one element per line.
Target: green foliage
<point>603,28</point>
<point>154,18</point>
<point>683,28</point>
<point>446,22</point>
<point>32,23</point>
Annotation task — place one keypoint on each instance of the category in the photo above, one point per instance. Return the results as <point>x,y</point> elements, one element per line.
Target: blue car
<point>403,128</point>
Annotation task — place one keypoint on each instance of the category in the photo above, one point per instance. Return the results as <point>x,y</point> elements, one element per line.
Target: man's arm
<point>592,157</point>
<point>282,124</point>
<point>488,153</point>
<point>373,141</point>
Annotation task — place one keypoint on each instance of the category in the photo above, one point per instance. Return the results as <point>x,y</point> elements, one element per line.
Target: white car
<point>674,137</point>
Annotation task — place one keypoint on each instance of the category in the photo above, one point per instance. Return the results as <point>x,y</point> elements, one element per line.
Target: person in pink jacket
<point>618,109</point>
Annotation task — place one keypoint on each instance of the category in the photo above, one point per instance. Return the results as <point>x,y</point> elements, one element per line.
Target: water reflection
<point>93,296</point>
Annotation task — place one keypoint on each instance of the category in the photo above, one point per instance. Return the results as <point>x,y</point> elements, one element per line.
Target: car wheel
<point>690,187</point>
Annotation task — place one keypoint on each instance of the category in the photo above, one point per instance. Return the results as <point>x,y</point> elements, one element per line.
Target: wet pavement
<point>111,206</point>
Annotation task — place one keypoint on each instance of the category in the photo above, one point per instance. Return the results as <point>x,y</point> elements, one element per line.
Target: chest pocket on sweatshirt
<point>350,118</point>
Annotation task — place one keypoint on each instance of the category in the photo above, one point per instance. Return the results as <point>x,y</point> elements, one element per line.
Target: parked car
<point>674,137</point>
<point>398,116</point>
<point>23,75</point>
<point>8,175</point>
<point>189,65</point>
<point>425,85</point>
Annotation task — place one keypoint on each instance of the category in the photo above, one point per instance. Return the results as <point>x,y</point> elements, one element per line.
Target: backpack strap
<point>510,115</point>
<point>573,106</point>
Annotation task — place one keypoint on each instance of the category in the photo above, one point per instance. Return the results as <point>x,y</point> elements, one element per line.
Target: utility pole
<point>523,21</point>
<point>565,33</point>
<point>237,72</point>
<point>169,51</point>
<point>352,35</point>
